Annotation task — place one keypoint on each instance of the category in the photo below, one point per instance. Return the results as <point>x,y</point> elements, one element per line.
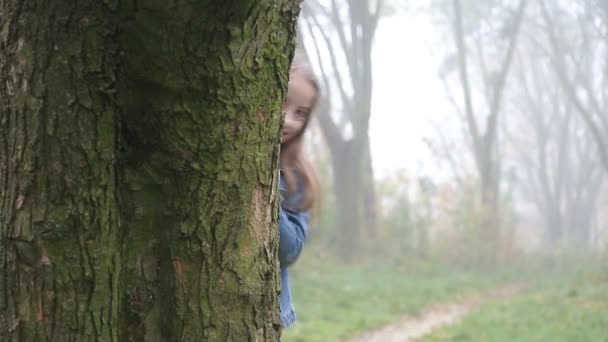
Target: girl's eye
<point>301,114</point>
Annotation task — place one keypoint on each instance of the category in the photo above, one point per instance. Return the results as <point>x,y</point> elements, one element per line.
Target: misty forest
<point>316,170</point>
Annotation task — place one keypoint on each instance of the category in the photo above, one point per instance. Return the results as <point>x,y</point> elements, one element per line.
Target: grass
<point>559,308</point>
<point>334,301</point>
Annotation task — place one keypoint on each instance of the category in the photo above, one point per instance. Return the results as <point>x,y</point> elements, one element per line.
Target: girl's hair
<point>295,167</point>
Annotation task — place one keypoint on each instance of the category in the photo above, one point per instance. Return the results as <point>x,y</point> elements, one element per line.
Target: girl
<point>298,184</point>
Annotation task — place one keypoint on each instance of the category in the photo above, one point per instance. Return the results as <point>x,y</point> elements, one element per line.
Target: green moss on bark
<point>137,168</point>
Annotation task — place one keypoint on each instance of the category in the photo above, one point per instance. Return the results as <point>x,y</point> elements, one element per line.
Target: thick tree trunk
<point>60,218</point>
<point>138,149</point>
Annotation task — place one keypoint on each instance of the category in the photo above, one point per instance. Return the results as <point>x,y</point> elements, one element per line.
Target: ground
<point>381,303</point>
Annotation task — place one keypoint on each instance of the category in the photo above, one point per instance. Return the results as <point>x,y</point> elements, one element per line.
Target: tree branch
<point>346,101</point>
<point>348,49</point>
<point>329,128</point>
<point>496,100</point>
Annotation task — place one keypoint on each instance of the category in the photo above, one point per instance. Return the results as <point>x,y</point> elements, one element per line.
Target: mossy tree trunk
<point>138,149</point>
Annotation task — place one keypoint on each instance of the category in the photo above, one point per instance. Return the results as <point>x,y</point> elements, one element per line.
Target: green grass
<point>334,301</point>
<point>555,309</point>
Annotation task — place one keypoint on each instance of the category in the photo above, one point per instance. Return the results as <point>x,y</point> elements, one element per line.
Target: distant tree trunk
<point>582,199</point>
<point>580,226</point>
<point>352,186</point>
<point>490,197</point>
<point>138,149</point>
<point>370,204</point>
<point>355,192</point>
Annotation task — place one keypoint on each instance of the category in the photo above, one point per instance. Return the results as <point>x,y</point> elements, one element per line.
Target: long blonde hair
<point>295,166</point>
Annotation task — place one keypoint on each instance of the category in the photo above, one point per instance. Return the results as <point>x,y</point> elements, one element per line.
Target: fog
<point>460,145</point>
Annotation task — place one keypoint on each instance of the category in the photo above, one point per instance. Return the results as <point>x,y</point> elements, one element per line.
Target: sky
<point>407,95</point>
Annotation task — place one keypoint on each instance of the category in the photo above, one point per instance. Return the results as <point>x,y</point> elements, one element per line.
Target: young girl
<point>298,185</point>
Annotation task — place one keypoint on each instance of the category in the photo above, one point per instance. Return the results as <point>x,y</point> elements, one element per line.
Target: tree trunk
<point>347,182</point>
<point>553,229</point>
<point>490,212</point>
<point>355,198</point>
<point>138,169</point>
<point>582,210</point>
<point>370,205</point>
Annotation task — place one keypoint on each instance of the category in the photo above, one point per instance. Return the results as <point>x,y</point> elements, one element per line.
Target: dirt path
<point>409,327</point>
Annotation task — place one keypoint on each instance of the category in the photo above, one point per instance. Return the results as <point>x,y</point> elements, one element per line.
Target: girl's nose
<point>288,115</point>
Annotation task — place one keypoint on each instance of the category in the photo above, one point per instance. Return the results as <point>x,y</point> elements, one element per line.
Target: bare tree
<point>485,142</point>
<point>589,95</point>
<point>341,35</point>
<point>559,177</point>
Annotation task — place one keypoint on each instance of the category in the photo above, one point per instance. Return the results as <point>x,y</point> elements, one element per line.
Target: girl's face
<point>298,105</point>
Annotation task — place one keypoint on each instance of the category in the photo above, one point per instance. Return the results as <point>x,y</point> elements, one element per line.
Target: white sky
<point>407,95</point>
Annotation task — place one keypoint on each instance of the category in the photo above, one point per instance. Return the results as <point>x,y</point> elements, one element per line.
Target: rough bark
<point>139,143</point>
<point>59,222</point>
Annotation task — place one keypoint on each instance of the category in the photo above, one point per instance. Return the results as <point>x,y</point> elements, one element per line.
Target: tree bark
<point>138,156</point>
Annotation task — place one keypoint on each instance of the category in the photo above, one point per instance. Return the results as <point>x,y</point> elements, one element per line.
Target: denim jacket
<point>293,226</point>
